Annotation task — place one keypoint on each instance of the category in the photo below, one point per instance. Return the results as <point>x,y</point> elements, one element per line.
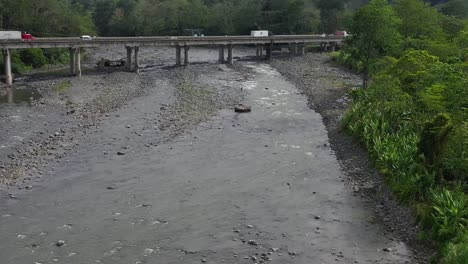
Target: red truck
<point>27,36</point>
<point>16,35</point>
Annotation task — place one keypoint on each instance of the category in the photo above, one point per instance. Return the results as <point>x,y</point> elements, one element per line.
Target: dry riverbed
<point>115,167</point>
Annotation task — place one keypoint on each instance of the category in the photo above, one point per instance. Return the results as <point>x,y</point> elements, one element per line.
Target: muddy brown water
<point>241,188</point>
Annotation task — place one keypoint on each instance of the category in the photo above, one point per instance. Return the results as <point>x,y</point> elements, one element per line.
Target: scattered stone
<point>29,187</point>
<point>252,242</point>
<point>388,249</point>
<point>317,217</point>
<point>120,153</point>
<point>110,187</point>
<point>60,243</point>
<point>242,109</point>
<point>250,226</point>
<point>203,260</point>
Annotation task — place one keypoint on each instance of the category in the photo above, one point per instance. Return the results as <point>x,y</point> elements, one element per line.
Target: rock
<point>242,109</point>
<point>120,153</point>
<point>203,260</point>
<point>29,187</point>
<point>250,226</point>
<point>60,243</point>
<point>317,217</point>
<point>274,250</point>
<point>252,242</point>
<point>388,249</point>
<point>110,187</point>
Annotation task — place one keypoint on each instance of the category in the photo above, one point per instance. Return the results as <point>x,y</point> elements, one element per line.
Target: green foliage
<point>419,19</point>
<point>330,15</point>
<point>46,18</point>
<point>62,87</point>
<point>375,33</point>
<point>417,131</point>
<point>410,66</point>
<point>434,138</point>
<point>456,253</point>
<point>450,214</point>
<point>33,57</point>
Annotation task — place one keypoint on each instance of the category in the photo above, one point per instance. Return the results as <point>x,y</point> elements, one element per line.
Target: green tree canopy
<point>374,34</point>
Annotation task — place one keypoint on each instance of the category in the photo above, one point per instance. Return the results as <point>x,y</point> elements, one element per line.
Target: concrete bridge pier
<point>78,61</point>
<point>186,55</point>
<point>72,61</point>
<point>137,60</point>
<point>128,63</point>
<point>178,55</point>
<point>302,48</point>
<point>269,49</point>
<point>259,51</point>
<point>221,54</point>
<point>7,64</point>
<point>230,58</point>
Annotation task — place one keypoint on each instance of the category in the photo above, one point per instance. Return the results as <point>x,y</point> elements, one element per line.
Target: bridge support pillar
<point>78,61</point>
<point>186,55</point>
<point>230,58</point>
<point>137,60</point>
<point>302,49</point>
<point>221,54</point>
<point>7,62</point>
<point>333,46</point>
<point>259,51</point>
<point>268,51</point>
<point>178,55</point>
<point>72,60</point>
<point>128,63</point>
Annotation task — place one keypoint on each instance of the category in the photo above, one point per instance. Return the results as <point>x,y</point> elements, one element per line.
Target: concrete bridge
<point>132,44</point>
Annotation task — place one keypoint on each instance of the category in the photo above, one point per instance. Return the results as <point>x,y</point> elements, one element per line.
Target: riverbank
<point>326,87</point>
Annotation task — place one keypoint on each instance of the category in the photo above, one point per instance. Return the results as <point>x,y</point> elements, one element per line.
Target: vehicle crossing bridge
<point>132,44</point>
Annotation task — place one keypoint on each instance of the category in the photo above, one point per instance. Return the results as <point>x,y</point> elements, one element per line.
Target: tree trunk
<point>365,79</point>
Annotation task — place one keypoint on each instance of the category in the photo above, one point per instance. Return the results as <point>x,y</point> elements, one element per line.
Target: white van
<point>86,37</point>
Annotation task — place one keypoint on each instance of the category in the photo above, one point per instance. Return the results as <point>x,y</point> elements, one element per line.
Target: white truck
<point>259,33</point>
<point>6,35</point>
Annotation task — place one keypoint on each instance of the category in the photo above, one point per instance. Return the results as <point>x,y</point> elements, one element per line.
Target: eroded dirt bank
<point>167,173</point>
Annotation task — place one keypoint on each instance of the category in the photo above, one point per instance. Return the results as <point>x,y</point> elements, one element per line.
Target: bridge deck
<point>163,41</point>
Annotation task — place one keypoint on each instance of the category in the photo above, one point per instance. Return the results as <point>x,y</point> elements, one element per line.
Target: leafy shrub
<point>434,138</point>
<point>57,56</point>
<point>456,253</point>
<point>450,214</point>
<point>33,57</point>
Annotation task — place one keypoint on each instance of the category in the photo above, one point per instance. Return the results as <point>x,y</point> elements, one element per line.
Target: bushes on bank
<point>417,134</point>
<point>25,60</point>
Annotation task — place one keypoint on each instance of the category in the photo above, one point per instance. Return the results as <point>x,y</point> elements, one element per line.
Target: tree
<point>330,13</point>
<point>374,34</point>
<point>419,19</point>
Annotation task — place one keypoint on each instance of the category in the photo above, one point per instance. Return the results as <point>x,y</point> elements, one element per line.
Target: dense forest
<point>45,18</point>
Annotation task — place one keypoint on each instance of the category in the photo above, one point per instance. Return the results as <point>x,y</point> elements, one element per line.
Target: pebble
<point>252,242</point>
<point>60,243</point>
<point>120,153</point>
